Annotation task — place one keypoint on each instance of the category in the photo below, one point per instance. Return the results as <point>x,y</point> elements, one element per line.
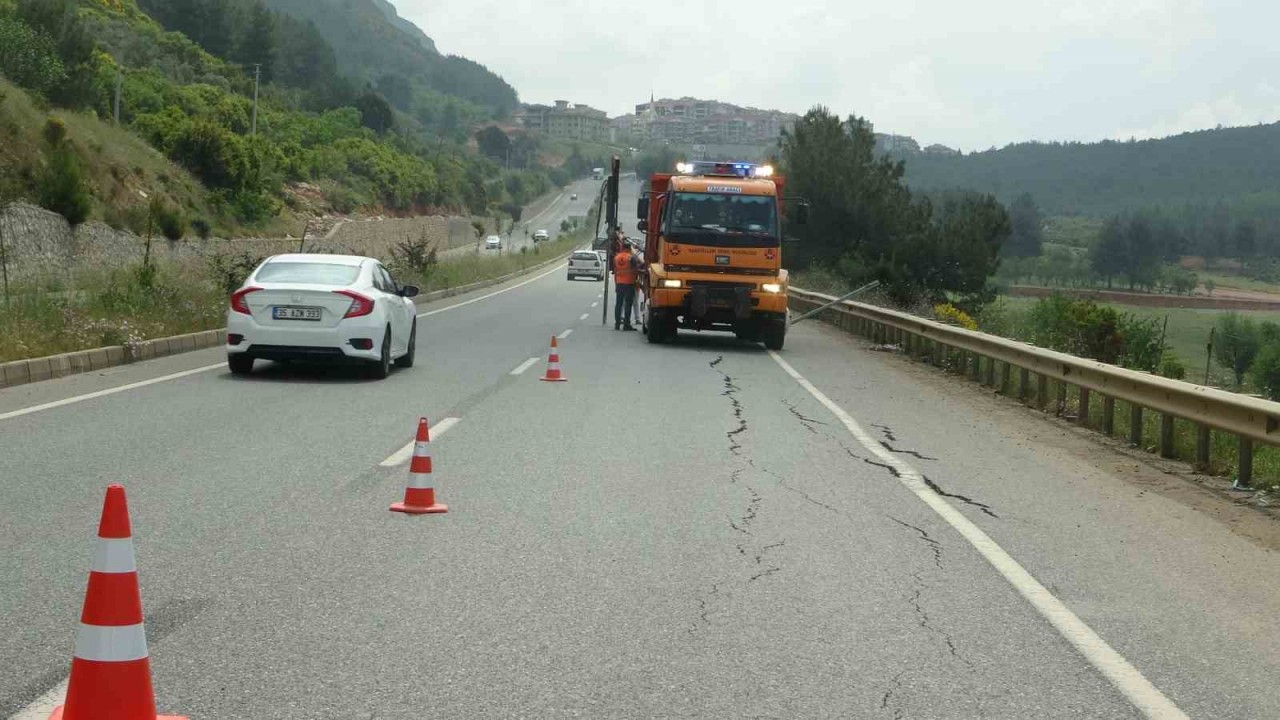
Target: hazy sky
<point>965,73</point>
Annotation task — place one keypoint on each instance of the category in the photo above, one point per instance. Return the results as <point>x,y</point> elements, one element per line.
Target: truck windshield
<point>725,219</point>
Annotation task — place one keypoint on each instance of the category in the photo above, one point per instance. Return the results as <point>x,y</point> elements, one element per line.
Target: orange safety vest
<point>622,270</point>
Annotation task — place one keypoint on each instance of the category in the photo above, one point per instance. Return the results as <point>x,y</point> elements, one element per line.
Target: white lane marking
<point>43,706</point>
<point>565,334</point>
<point>595,304</point>
<point>584,316</point>
<point>402,455</point>
<point>525,366</point>
<point>492,294</point>
<point>601,295</point>
<point>1125,677</point>
<point>108,391</point>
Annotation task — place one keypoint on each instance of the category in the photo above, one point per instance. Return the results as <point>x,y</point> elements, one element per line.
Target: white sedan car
<point>541,236</point>
<point>493,242</point>
<point>322,307</point>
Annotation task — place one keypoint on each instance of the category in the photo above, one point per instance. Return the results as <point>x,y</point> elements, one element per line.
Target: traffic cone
<point>110,672</point>
<point>419,496</point>
<point>553,365</point>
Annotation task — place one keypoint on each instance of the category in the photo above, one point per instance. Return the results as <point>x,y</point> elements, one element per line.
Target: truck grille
<point>720,285</point>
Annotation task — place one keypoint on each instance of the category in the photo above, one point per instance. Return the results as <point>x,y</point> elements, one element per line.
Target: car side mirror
<point>642,208</point>
<point>643,226</point>
<point>409,291</point>
<point>802,214</point>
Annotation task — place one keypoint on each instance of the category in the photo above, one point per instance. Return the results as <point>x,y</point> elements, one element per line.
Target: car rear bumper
<point>304,343</point>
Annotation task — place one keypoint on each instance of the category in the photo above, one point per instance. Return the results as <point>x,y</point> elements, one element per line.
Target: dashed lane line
<point>565,334</point>
<point>525,366</point>
<point>584,316</point>
<point>402,455</point>
<point>1139,691</point>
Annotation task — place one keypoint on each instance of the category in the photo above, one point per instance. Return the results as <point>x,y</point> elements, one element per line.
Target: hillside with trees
<point>1239,166</point>
<point>194,106</point>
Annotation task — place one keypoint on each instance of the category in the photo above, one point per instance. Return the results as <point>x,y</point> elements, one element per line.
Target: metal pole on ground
<point>842,298</point>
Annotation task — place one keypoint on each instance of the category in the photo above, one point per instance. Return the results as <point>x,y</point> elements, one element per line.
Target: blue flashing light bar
<point>724,169</point>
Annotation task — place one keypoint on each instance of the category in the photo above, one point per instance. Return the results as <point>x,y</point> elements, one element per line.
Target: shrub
<point>1266,372</point>
<point>170,221</point>
<point>1172,368</point>
<point>1000,318</point>
<point>416,255</point>
<point>202,227</point>
<point>1237,343</point>
<point>1078,327</point>
<point>953,315</point>
<point>1142,343</point>
<point>62,187</point>
<point>230,271</point>
<point>55,131</point>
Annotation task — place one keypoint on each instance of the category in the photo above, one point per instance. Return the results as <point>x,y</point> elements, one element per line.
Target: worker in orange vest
<point>625,269</point>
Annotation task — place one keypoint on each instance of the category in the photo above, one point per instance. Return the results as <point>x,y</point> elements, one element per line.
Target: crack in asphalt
<point>886,431</point>
<point>704,608</point>
<point>934,545</point>
<point>766,573</point>
<point>912,453</point>
<point>922,615</point>
<point>806,421</point>
<point>966,500</point>
<point>782,483</point>
<point>894,685</point>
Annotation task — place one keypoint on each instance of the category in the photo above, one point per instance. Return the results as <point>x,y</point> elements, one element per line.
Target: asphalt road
<point>561,207</point>
<point>678,531</point>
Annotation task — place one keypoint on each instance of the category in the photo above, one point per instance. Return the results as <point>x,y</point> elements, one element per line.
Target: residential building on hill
<point>563,120</point>
<point>689,120</point>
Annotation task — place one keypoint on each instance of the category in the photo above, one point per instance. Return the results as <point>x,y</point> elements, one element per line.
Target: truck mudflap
<point>702,299</point>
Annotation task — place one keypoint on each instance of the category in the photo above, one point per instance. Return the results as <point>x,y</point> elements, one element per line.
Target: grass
<point>1080,232</point>
<point>1238,282</point>
<point>116,307</point>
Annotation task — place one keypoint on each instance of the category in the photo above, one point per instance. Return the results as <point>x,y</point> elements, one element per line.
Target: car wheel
<point>407,360</point>
<point>382,366</point>
<point>240,364</point>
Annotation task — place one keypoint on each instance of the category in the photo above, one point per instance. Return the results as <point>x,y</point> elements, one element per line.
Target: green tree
<point>62,187</point>
<point>375,112</point>
<point>494,143</point>
<point>1266,371</point>
<point>29,56</point>
<point>1108,256</point>
<point>1237,343</point>
<point>1027,228</point>
<point>1245,239</point>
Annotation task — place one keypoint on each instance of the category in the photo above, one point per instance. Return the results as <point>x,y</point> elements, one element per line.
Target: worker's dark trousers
<point>622,308</point>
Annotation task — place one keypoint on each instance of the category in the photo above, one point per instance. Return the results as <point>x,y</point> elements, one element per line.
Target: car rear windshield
<point>309,273</point>
<point>586,256</point>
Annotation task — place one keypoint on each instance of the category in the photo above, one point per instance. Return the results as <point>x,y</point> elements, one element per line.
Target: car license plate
<point>722,259</point>
<point>284,312</point>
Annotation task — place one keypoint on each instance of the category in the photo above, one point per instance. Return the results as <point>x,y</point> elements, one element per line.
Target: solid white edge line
<point>42,707</point>
<point>492,294</point>
<point>1145,696</point>
<point>109,391</point>
<point>565,334</point>
<point>525,366</point>
<point>584,316</point>
<point>402,455</point>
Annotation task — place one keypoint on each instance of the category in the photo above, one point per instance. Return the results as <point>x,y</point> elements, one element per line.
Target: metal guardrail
<point>1250,419</point>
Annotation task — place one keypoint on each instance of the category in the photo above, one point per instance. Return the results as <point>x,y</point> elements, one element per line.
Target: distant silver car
<point>493,242</point>
<point>541,236</point>
<point>586,263</point>
<point>573,196</point>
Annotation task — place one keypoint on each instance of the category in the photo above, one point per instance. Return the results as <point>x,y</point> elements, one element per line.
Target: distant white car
<point>573,196</point>
<point>541,236</point>
<point>586,263</point>
<point>322,307</point>
<point>493,242</point>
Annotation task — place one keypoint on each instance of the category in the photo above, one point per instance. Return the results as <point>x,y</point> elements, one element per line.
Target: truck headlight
<point>771,287</point>
<point>671,283</point>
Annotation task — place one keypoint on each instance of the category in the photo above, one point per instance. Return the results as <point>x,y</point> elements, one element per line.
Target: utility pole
<point>119,89</point>
<point>257,75</point>
<point>611,224</point>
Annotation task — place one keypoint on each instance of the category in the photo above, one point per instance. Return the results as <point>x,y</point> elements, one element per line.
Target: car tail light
<point>360,305</point>
<point>362,343</point>
<point>234,338</point>
<point>238,302</point>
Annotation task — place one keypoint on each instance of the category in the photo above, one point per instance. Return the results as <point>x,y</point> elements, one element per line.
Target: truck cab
<point>713,241</point>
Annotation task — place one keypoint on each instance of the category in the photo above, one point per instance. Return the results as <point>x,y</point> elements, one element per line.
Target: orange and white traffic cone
<point>419,496</point>
<point>553,364</point>
<point>110,671</point>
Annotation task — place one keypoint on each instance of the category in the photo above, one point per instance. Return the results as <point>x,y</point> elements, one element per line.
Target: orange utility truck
<point>713,247</point>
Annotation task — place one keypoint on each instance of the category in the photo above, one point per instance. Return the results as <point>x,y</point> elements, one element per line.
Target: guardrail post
<point>1042,391</point>
<point>975,370</point>
<point>1166,436</point>
<point>1135,425</point>
<point>1204,443</point>
<point>1006,377</point>
<point>1024,384</point>
<point>939,354</point>
<point>1244,476</point>
<point>991,372</point>
<point>1109,415</point>
<point>1062,398</point>
<point>1083,417</point>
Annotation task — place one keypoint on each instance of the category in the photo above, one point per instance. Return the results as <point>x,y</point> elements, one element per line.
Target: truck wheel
<point>774,335</point>
<point>654,328</point>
